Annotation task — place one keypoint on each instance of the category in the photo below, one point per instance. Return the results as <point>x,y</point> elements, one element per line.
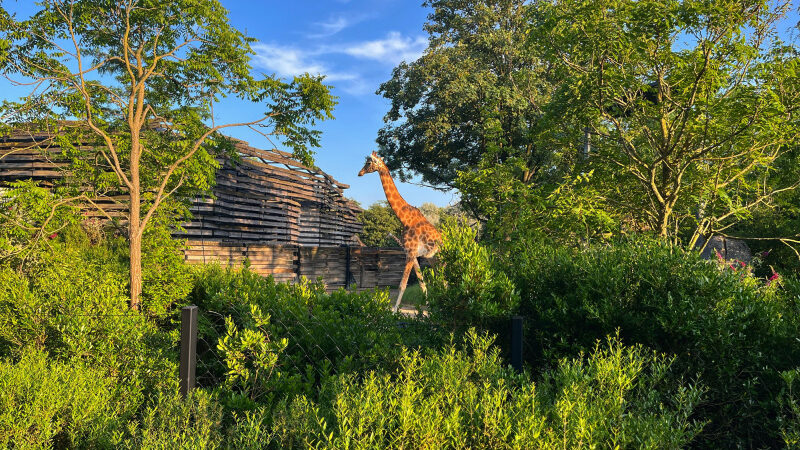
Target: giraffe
<point>420,238</point>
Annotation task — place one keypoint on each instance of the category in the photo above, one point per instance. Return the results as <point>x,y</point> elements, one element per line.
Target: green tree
<point>379,221</point>
<point>139,80</point>
<point>474,96</point>
<point>691,105</point>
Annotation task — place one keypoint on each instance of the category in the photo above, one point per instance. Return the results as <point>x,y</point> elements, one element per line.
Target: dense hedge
<point>731,331</point>
<point>467,397</point>
<point>289,365</point>
<point>294,334</point>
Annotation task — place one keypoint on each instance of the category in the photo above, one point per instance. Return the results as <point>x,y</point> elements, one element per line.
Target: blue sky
<point>355,43</point>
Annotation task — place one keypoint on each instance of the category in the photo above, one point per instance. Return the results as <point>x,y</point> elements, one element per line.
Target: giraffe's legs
<point>404,282</point>
<point>419,276</point>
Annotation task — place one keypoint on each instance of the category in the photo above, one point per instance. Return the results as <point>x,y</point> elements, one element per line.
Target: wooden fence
<point>366,267</point>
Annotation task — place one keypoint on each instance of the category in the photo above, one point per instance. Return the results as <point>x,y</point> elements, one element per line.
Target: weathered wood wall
<point>263,196</point>
<point>366,267</point>
<point>268,197</point>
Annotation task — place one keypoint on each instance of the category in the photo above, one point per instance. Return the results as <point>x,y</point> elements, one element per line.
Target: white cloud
<point>357,79</point>
<point>332,26</point>
<point>392,50</point>
<point>291,61</point>
<point>285,61</point>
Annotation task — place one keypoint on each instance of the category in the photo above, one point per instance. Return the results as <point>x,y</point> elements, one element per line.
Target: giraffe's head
<point>373,164</point>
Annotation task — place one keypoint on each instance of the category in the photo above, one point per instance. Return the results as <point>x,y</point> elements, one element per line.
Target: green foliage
<point>474,96</point>
<point>75,307</point>
<point>170,422</point>
<point>467,288</point>
<point>723,326</point>
<point>340,332</point>
<point>569,210</point>
<point>166,278</point>
<point>46,403</point>
<point>467,398</point>
<point>379,220</point>
<point>30,217</point>
<point>251,355</point>
<point>789,401</point>
<point>690,104</point>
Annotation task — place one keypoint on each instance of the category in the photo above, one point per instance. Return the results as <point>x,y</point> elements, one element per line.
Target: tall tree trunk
<point>135,243</point>
<point>135,225</point>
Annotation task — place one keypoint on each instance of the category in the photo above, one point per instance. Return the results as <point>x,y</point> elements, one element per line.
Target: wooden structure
<point>286,219</point>
<point>366,267</point>
<point>269,197</point>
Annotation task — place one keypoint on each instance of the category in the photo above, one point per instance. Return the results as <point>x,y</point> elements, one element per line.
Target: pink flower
<point>773,277</point>
<point>52,236</point>
<point>719,256</point>
<point>765,254</point>
<point>731,266</point>
<point>741,263</point>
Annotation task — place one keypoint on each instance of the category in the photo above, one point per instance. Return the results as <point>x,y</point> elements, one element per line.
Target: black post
<point>516,343</point>
<point>188,348</point>
<point>347,274</point>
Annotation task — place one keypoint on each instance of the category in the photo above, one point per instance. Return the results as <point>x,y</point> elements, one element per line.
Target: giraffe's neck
<point>396,201</point>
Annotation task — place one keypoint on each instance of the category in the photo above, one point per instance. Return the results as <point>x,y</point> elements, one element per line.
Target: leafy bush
<point>66,404</point>
<point>724,327</point>
<point>467,287</point>
<point>251,356</point>
<point>77,307</point>
<point>325,333</point>
<point>469,399</point>
<point>30,217</point>
<point>170,422</point>
<point>789,400</point>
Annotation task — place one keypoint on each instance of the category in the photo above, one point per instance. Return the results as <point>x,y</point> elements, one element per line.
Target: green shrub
<point>76,308</point>
<point>30,218</point>
<point>789,401</point>
<point>325,333</point>
<point>251,356</point>
<point>46,403</point>
<point>170,422</point>
<point>725,327</point>
<point>467,288</point>
<point>469,399</point>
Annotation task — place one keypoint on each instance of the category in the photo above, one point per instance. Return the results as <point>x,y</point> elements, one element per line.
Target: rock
<point>727,247</point>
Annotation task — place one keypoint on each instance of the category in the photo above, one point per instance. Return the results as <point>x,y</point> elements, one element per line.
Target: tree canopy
<point>691,105</point>
<point>475,95</point>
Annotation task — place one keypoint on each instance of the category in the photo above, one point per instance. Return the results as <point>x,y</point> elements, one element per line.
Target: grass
<point>413,296</point>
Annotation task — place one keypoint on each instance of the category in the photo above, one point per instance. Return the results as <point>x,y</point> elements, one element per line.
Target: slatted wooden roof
<point>265,196</point>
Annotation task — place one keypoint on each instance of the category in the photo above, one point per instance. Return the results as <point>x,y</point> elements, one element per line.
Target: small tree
<point>142,78</point>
